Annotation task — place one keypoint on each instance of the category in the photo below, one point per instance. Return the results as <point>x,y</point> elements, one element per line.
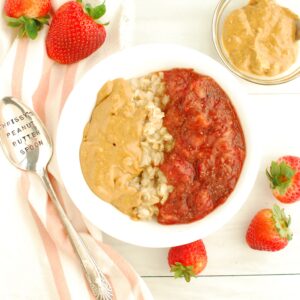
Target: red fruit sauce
<point>209,150</point>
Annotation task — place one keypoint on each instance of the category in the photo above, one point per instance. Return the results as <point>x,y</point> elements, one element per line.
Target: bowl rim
<point>221,6</point>
<point>171,55</point>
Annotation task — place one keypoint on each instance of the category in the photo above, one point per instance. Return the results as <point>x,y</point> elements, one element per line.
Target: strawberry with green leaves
<point>75,32</point>
<point>284,175</point>
<point>28,16</point>
<point>269,230</point>
<point>187,260</point>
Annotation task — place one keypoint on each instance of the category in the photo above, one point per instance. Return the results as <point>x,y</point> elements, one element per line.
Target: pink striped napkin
<point>36,257</point>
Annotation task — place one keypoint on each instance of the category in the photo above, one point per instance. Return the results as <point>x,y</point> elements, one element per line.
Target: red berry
<point>269,230</point>
<point>187,260</point>
<point>284,176</point>
<point>27,15</point>
<point>27,8</point>
<point>73,34</point>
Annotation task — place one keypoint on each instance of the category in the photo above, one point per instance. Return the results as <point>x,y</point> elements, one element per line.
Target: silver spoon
<point>27,145</point>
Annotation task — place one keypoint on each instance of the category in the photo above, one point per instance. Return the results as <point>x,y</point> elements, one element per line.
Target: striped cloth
<point>36,257</point>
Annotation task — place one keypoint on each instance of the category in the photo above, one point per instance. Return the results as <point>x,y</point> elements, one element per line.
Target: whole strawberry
<point>284,176</point>
<point>269,230</point>
<point>27,15</point>
<point>74,33</point>
<point>187,260</point>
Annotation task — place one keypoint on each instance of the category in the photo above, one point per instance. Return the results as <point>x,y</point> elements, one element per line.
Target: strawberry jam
<point>209,151</point>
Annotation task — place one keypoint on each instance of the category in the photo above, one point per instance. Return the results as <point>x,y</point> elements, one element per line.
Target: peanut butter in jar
<point>260,38</point>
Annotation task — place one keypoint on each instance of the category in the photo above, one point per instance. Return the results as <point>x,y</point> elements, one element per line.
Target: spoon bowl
<point>24,138</point>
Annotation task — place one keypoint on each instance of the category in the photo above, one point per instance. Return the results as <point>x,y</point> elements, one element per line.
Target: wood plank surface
<point>234,271</point>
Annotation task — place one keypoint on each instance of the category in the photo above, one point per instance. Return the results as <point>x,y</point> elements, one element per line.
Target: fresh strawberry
<point>284,176</point>
<point>27,15</point>
<point>74,33</point>
<point>269,230</point>
<point>187,260</point>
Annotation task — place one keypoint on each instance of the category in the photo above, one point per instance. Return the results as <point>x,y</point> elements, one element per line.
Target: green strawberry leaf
<point>280,176</point>
<point>282,187</point>
<point>43,20</point>
<point>286,170</point>
<point>180,270</point>
<point>31,28</point>
<point>22,32</point>
<point>88,8</point>
<point>275,169</point>
<point>95,12</point>
<point>13,22</point>
<point>282,222</point>
<point>99,11</point>
<point>28,26</point>
<point>23,19</point>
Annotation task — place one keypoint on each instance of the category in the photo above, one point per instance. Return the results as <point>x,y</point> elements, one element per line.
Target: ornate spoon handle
<point>96,279</point>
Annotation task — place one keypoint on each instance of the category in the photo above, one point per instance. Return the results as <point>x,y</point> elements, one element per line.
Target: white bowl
<point>130,63</point>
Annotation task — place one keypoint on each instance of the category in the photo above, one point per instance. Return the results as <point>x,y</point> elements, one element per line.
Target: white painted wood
<point>234,271</point>
<point>220,288</point>
<point>278,136</point>
<point>278,124</point>
<point>188,23</point>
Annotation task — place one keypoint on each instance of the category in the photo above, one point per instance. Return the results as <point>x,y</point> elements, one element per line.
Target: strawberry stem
<point>280,176</point>
<point>95,12</point>
<point>28,26</point>
<point>282,222</point>
<point>180,270</point>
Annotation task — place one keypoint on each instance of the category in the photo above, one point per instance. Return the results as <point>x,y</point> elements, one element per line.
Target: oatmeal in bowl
<point>162,146</point>
<point>167,145</point>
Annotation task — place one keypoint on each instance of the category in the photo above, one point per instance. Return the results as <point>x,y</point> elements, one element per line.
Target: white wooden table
<point>234,271</point>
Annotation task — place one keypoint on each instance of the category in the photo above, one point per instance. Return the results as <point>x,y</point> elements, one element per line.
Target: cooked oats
<point>149,92</point>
